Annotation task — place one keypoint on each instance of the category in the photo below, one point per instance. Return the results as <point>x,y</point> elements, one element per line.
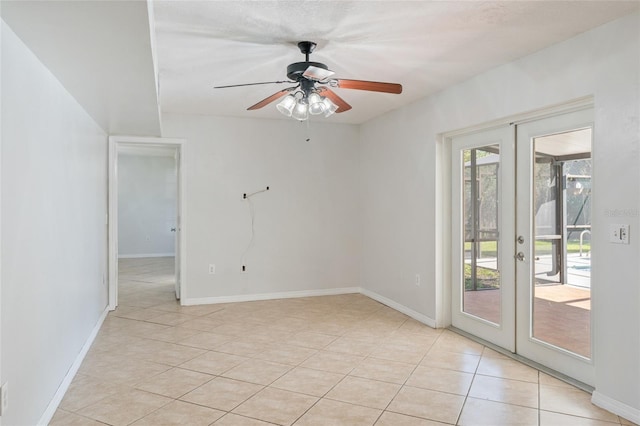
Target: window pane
<point>481,286</point>
<point>562,225</point>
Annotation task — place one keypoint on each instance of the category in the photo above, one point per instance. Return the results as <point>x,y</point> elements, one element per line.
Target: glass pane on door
<point>562,244</point>
<point>481,283</point>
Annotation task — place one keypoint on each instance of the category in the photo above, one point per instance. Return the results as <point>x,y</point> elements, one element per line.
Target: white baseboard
<point>268,296</point>
<point>137,256</point>
<point>66,382</point>
<point>616,407</point>
<point>400,308</point>
<point>310,293</point>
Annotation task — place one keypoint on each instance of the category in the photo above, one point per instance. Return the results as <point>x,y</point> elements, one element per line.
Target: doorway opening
<point>146,229</point>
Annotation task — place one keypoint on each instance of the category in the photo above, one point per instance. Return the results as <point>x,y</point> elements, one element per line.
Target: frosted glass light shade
<point>300,111</point>
<point>329,107</point>
<point>286,105</point>
<point>316,104</point>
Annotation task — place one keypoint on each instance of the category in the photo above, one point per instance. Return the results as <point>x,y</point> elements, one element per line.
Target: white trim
<point>112,225</point>
<point>114,143</point>
<point>443,232</point>
<point>400,308</point>
<point>616,407</point>
<point>533,115</point>
<point>269,296</point>
<point>138,256</point>
<point>68,378</point>
<point>1,376</point>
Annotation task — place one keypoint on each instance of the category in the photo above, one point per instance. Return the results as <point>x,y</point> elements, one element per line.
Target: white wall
<point>147,190</point>
<point>307,224</point>
<point>53,231</point>
<point>1,65</point>
<point>399,183</point>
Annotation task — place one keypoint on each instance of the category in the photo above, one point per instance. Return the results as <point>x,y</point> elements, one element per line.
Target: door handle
<point>520,256</point>
<point>173,229</point>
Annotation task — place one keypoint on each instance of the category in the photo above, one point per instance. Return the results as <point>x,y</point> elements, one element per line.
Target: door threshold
<point>553,373</point>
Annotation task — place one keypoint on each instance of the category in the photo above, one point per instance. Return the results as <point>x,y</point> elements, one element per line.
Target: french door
<point>521,239</point>
<point>553,216</point>
<point>483,218</point>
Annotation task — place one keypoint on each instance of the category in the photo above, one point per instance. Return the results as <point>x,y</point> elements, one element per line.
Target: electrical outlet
<point>619,233</point>
<point>418,280</point>
<point>212,268</point>
<point>4,398</point>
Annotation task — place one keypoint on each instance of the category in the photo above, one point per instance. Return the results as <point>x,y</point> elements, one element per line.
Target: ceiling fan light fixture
<point>286,105</point>
<point>329,107</point>
<point>316,104</point>
<point>300,111</point>
<point>311,93</point>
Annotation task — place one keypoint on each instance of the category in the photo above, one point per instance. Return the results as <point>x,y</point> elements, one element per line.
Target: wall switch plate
<point>619,233</point>
<point>4,398</point>
<point>212,268</point>
<point>418,280</point>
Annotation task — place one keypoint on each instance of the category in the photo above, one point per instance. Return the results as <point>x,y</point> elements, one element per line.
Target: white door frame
<point>443,194</point>
<point>444,198</point>
<point>114,143</point>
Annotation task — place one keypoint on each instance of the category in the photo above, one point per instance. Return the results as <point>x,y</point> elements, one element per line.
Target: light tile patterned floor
<point>337,360</point>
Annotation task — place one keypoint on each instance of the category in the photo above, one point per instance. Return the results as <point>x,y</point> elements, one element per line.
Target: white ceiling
<point>424,45</point>
<point>100,51</point>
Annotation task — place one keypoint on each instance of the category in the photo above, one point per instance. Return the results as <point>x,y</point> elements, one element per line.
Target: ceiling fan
<point>312,92</point>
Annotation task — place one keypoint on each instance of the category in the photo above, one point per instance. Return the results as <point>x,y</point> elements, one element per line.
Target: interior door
<point>483,214</point>
<point>552,219</point>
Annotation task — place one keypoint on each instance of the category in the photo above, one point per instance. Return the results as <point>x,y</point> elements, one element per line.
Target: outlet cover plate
<point>619,233</point>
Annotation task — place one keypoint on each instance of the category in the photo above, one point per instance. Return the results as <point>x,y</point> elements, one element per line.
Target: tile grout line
<point>334,386</point>
<point>466,397</point>
<point>357,313</point>
<point>386,409</point>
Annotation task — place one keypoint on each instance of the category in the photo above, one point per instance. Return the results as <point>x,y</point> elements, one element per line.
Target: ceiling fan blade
<point>253,84</point>
<point>317,73</point>
<point>342,104</point>
<point>274,97</point>
<point>372,86</point>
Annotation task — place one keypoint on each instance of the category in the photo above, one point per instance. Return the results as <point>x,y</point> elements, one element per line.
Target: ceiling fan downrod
<point>296,70</point>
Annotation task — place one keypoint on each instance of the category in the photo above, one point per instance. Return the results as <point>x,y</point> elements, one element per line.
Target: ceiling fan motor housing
<point>295,70</point>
